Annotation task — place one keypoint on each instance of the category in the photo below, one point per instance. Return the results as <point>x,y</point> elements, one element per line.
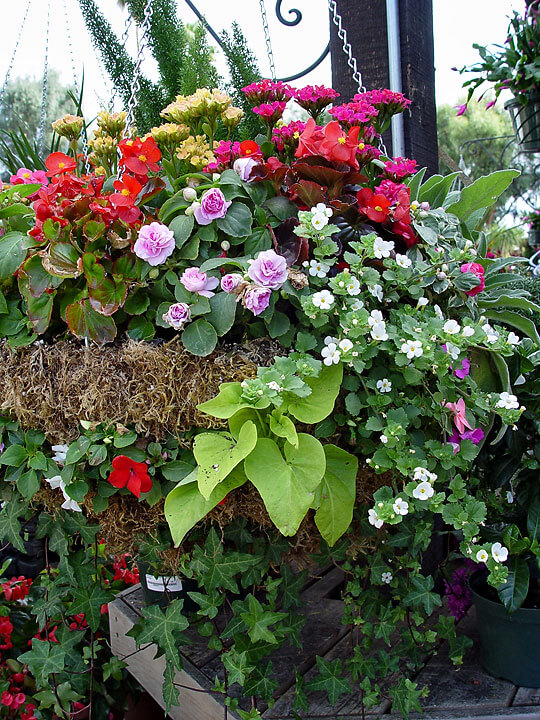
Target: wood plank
<point>527,696</point>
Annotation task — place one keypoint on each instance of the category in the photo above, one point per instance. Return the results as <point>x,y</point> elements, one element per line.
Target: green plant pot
<point>162,590</point>
<point>526,122</point>
<point>534,239</point>
<point>509,643</point>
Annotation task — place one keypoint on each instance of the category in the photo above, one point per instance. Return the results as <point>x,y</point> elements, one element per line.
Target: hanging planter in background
<point>526,122</point>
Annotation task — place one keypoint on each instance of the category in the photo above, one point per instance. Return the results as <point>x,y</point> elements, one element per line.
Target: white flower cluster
<point>320,216</point>
<point>498,552</point>
<point>507,401</point>
<point>333,349</point>
<point>378,326</point>
<point>424,490</point>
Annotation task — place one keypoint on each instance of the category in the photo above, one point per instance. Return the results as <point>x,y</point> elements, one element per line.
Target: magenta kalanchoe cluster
<point>270,113</point>
<point>314,98</point>
<point>400,168</point>
<point>457,591</point>
<point>267,91</point>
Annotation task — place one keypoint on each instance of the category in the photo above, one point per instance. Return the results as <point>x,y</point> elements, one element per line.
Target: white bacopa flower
<point>319,221</point>
<point>378,332</point>
<point>376,291</point>
<point>404,262</point>
<point>452,350</point>
<point>374,519</point>
<point>384,385</point>
<point>353,286</point>
<point>383,439</point>
<point>482,556</point>
<point>513,339</point>
<point>321,209</point>
<point>438,312</point>
<point>375,317</point>
<point>508,401</point>
<point>491,335</point>
<point>382,248</point>
<point>467,331</point>
<point>329,339</point>
<point>421,473</point>
<point>318,269</point>
<point>273,385</point>
<point>509,497</point>
<point>345,345</point>
<point>451,327</point>
<point>400,506</point>
<point>386,577</point>
<point>423,491</point>
<point>357,305</point>
<point>331,354</point>
<point>323,299</point>
<point>499,552</point>
<point>412,349</point>
<point>422,302</point>
<point>60,452</point>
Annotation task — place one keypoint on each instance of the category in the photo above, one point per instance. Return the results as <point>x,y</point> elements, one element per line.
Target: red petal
<point>118,478</point>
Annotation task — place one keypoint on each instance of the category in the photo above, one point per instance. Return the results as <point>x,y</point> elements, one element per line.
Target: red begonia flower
<point>374,206</point>
<point>249,148</point>
<point>128,473</point>
<point>140,157</point>
<point>58,163</point>
<point>127,190</point>
<point>339,145</point>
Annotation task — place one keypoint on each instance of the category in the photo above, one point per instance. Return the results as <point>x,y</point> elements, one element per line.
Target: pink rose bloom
<point>213,206</point>
<point>230,282</point>
<point>269,270</point>
<point>177,315</point>
<point>154,243</point>
<point>257,298</point>
<point>197,282</point>
<point>458,409</point>
<point>478,270</point>
<point>244,166</point>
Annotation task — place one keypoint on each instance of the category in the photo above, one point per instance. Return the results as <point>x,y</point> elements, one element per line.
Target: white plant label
<point>159,584</point>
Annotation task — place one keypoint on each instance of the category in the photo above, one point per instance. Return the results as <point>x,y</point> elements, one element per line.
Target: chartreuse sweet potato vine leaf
<point>287,484</point>
<point>185,506</point>
<point>218,453</point>
<point>229,401</point>
<point>336,494</point>
<point>320,403</point>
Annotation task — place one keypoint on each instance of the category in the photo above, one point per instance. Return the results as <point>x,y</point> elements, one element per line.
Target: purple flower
<point>213,206</point>
<point>269,270</point>
<point>196,281</point>
<point>244,166</point>
<point>462,109</point>
<point>154,244</point>
<point>256,298</point>
<point>464,370</point>
<point>177,315</point>
<point>457,591</point>
<point>230,282</point>
<point>2,446</point>
<point>475,436</point>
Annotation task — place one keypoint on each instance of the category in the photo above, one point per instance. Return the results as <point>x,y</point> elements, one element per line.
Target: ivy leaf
<point>260,683</point>
<point>237,666</point>
<point>89,602</point>
<point>170,691</point>
<point>291,585</point>
<point>421,594</point>
<point>336,494</point>
<point>405,697</point>
<point>258,621</point>
<point>44,659</point>
<point>217,568</point>
<point>330,679</point>
<point>10,527</point>
<point>164,628</point>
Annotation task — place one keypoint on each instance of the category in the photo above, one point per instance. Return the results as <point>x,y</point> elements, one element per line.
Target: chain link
<point>347,49</point>
<point>41,127</point>
<point>267,40</point>
<point>136,83</point>
<point>17,42</point>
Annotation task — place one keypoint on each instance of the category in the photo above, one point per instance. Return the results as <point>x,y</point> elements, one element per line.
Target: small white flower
<point>412,349</point>
<point>467,331</point>
<point>404,261</point>
<point>508,401</point>
<point>384,385</point>
<point>70,504</point>
<point>331,354</point>
<point>357,305</point>
<point>244,384</point>
<point>345,345</point>
<point>482,556</point>
<point>374,519</point>
<point>321,209</point>
<point>60,452</point>
<point>513,339</point>
<point>273,385</point>
<point>451,327</point>
<point>55,482</point>
<point>452,350</point>
<point>375,317</point>
<point>400,506</point>
<point>353,286</point>
<point>329,339</point>
<point>438,312</point>
<point>378,332</point>
<point>509,497</point>
<point>421,473</point>
<point>433,477</point>
<point>423,491</point>
<point>319,221</point>
<point>382,248</point>
<point>491,335</point>
<point>422,302</point>
<point>376,291</point>
<point>318,269</point>
<point>499,552</point>
<point>323,299</point>
<point>383,439</point>
<point>386,577</point>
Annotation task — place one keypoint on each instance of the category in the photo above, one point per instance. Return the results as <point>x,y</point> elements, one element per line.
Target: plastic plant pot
<point>526,122</point>
<point>163,589</point>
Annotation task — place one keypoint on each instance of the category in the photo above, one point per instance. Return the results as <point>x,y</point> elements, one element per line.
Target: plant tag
<point>159,584</point>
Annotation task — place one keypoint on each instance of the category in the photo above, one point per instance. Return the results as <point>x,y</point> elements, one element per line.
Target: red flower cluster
<point>78,622</point>
<point>6,628</point>
<point>122,572</point>
<point>130,474</point>
<point>331,142</point>
<point>477,270</point>
<point>390,206</point>
<point>140,157</point>
<point>15,700</point>
<point>17,588</point>
<point>314,98</point>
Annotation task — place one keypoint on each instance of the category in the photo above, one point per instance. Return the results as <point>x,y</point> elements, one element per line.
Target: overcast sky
<point>457,24</point>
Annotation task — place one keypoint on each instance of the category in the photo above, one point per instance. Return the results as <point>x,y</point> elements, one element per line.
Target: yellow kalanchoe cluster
<point>232,117</point>
<point>112,124</point>
<point>196,152</point>
<point>169,135</point>
<point>69,126</point>
<point>204,103</point>
<point>104,149</point>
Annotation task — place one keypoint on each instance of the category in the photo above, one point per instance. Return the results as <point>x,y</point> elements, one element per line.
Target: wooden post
<point>366,24</point>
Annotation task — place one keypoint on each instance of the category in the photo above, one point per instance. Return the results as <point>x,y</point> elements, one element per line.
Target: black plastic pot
<point>526,122</point>
<point>534,239</point>
<point>162,589</point>
<point>509,643</point>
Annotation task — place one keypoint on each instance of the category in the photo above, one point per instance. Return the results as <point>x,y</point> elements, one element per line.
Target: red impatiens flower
<point>130,474</point>
<point>58,163</point>
<point>127,190</point>
<point>140,157</point>
<point>374,206</point>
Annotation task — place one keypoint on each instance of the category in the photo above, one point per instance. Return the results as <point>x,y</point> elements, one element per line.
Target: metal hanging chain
<point>137,69</point>
<point>267,40</point>
<point>41,127</point>
<point>17,42</point>
<point>347,49</point>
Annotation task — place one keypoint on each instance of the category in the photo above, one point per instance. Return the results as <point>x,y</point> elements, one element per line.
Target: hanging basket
<point>526,122</point>
<point>534,239</point>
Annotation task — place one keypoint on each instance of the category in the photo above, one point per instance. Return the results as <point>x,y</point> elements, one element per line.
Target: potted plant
<point>533,219</point>
<point>514,66</point>
<point>509,614</point>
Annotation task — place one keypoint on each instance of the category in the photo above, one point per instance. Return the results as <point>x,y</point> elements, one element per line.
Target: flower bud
<point>189,194</point>
<point>225,245</point>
